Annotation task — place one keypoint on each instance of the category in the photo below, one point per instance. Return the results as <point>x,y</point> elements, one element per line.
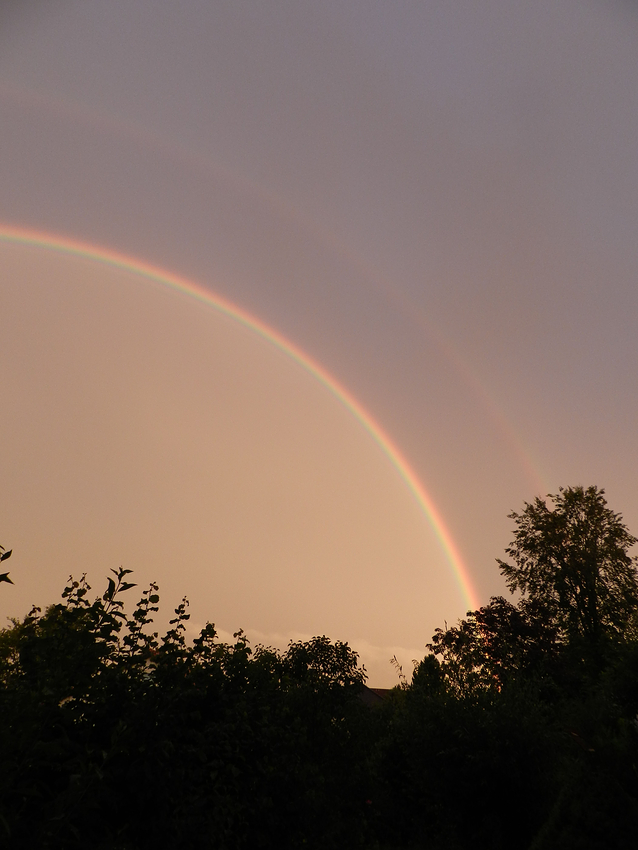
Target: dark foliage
<point>574,561</point>
<point>519,728</point>
<point>113,737</point>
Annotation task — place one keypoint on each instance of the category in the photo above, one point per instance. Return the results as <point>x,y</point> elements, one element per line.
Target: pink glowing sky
<point>436,202</point>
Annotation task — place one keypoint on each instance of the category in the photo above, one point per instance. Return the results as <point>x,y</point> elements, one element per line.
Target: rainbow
<point>134,132</point>
<point>105,256</point>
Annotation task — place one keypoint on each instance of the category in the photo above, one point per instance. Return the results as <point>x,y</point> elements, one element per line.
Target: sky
<point>301,299</point>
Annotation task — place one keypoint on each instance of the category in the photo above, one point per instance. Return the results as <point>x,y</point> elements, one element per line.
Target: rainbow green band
<point>145,270</point>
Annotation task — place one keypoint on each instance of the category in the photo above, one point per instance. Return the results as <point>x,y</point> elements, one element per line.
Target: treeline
<point>518,729</point>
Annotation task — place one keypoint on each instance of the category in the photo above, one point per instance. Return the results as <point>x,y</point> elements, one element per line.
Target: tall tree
<point>573,559</point>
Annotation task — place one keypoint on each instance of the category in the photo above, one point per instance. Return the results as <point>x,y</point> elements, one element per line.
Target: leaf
<point>110,591</point>
<point>6,555</point>
<point>5,577</point>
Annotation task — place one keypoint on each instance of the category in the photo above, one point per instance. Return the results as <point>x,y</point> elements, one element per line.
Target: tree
<point>573,561</point>
<point>494,644</point>
<point>541,690</point>
<point>115,736</point>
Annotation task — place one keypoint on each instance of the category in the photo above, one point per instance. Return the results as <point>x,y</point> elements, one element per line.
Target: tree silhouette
<point>519,728</point>
<point>115,736</point>
<point>573,561</point>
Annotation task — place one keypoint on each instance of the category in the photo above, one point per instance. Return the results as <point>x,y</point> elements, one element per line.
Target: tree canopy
<point>113,736</point>
<point>518,728</point>
<point>574,561</point>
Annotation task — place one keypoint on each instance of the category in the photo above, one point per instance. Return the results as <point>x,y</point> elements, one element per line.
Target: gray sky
<point>436,201</point>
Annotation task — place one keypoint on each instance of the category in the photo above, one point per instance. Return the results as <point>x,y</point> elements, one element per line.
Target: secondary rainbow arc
<point>61,244</point>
